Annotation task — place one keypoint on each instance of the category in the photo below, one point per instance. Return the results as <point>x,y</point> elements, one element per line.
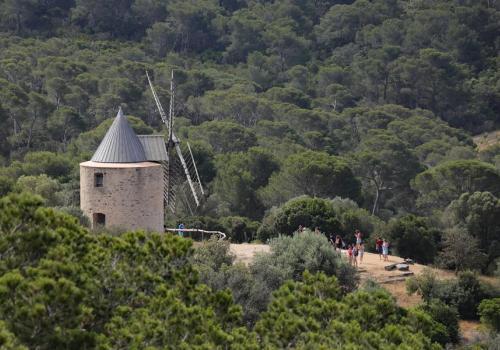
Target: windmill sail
<point>177,172</point>
<point>195,169</point>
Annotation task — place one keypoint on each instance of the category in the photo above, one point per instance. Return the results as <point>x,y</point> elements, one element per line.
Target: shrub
<point>465,293</point>
<point>313,314</point>
<point>336,216</point>
<point>291,256</point>
<point>489,310</point>
<point>305,211</point>
<point>215,265</point>
<point>413,238</point>
<point>239,229</point>
<point>213,253</point>
<point>460,251</point>
<point>446,315</point>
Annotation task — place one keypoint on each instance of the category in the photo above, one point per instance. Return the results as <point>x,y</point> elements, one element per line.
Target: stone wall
<point>131,197</point>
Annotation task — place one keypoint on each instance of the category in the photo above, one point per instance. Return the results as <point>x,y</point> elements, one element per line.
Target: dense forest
<point>335,114</point>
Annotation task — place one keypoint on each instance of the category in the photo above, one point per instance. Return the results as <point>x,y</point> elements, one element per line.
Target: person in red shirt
<point>349,254</point>
<point>378,247</point>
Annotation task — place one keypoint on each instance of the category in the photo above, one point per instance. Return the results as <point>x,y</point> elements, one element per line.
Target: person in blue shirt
<point>180,232</point>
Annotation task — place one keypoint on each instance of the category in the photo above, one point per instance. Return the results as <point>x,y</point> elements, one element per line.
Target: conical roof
<point>120,144</point>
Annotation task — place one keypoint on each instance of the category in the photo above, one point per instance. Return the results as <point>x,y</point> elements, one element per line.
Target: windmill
<point>181,178</point>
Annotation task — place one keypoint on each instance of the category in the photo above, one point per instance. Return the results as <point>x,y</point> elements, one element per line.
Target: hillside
<point>371,268</point>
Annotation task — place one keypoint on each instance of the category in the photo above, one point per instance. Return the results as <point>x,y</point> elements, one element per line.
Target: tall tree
<point>446,182</point>
<point>311,173</point>
<point>386,164</point>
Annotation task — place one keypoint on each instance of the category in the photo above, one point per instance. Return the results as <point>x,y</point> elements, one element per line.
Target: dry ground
<point>487,139</point>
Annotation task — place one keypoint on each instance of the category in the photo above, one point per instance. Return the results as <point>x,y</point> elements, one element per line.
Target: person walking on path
<point>378,247</point>
<point>349,254</point>
<point>385,250</point>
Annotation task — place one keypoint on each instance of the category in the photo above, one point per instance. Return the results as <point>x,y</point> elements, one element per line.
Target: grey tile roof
<point>154,147</point>
<point>120,144</point>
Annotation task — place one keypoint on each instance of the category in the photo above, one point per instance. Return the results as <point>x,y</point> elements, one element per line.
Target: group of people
<point>356,250</point>
<point>382,248</point>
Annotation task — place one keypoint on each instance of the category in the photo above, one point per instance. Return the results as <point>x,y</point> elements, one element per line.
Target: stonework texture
<point>131,197</point>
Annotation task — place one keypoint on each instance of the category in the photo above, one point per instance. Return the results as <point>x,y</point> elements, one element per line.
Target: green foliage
<point>314,174</point>
<point>62,287</point>
<point>239,229</point>
<point>241,175</point>
<point>305,211</point>
<point>465,293</point>
<point>386,164</point>
<point>214,261</point>
<point>312,313</point>
<point>440,185</point>
<point>460,251</point>
<point>213,254</point>
<point>41,185</point>
<point>336,216</point>
<point>446,315</point>
<point>7,340</point>
<point>412,237</point>
<point>51,164</point>
<point>291,256</point>
<point>224,136</point>
<point>479,214</point>
<point>489,310</point>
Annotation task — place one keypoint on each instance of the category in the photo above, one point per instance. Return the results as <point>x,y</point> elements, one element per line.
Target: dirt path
<point>371,267</point>
<point>244,252</point>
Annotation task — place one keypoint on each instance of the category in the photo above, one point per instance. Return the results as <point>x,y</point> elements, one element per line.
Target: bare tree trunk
<point>30,132</point>
<point>375,203</point>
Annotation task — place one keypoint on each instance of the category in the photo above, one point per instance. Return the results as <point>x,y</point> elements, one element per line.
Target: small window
<point>99,219</point>
<point>98,180</point>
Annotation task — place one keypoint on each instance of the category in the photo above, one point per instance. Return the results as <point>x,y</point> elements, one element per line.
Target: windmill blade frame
<point>172,176</point>
<point>163,116</point>
<point>195,169</point>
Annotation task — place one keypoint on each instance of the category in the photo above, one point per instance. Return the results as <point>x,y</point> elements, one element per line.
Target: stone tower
<point>121,186</point>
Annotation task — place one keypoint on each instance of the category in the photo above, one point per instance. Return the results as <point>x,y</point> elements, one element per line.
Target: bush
<point>215,265</point>
<point>213,253</point>
<point>464,293</point>
<point>239,229</point>
<point>337,216</point>
<point>77,213</point>
<point>489,310</point>
<point>291,256</point>
<point>313,314</point>
<point>413,238</point>
<point>6,185</point>
<point>460,251</point>
<point>305,211</point>
<point>446,315</point>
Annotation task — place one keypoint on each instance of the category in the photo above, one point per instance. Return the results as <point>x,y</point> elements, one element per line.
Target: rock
<point>394,280</point>
<point>390,267</point>
<point>403,267</point>
<point>404,274</point>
